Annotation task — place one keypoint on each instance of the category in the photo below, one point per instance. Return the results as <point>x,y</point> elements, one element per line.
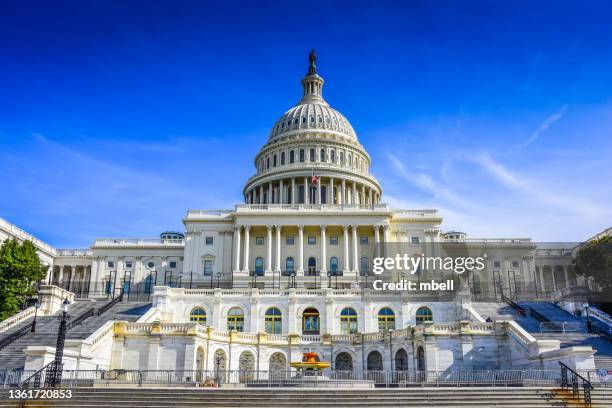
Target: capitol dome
<point>312,156</point>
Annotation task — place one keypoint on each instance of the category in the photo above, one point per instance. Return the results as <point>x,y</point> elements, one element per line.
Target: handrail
<point>110,304</point>
<point>37,376</point>
<point>16,335</point>
<point>78,320</point>
<point>587,387</point>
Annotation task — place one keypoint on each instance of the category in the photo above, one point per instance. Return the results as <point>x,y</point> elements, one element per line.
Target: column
<point>293,191</point>
<point>269,251</point>
<point>376,241</point>
<point>319,184</point>
<point>354,194</point>
<point>370,198</point>
<point>300,270</point>
<point>247,229</point>
<point>330,194</point>
<point>355,250</point>
<point>343,192</point>
<point>236,248</point>
<point>345,263</point>
<point>281,193</point>
<point>278,248</point>
<point>270,198</point>
<point>306,193</point>
<point>261,194</point>
<point>323,267</point>
<point>363,195</point>
<point>386,240</point>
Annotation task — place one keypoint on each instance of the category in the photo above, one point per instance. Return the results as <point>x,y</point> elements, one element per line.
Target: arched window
<point>235,319</point>
<point>291,157</point>
<point>267,162</point>
<point>312,155</point>
<point>332,155</point>
<point>198,315</point>
<point>375,361</point>
<point>386,319</point>
<point>301,155</point>
<point>282,158</point>
<point>333,265</point>
<point>274,161</point>
<point>289,265</point>
<point>310,321</point>
<point>348,321</point>
<point>322,158</point>
<point>348,160</point>
<point>259,266</point>
<point>401,360</point>
<point>312,265</point>
<point>273,320</point>
<point>341,158</point>
<point>344,362</point>
<point>423,314</point>
<point>365,265</point>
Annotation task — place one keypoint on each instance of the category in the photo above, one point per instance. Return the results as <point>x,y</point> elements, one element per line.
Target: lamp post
<point>53,376</point>
<point>329,274</point>
<point>217,366</point>
<point>190,278</point>
<point>218,279</point>
<point>180,279</point>
<point>36,306</point>
<point>293,279</point>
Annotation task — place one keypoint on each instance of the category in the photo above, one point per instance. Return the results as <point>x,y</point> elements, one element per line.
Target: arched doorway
<point>344,362</point>
<point>421,359</point>
<point>220,364</point>
<point>375,361</point>
<point>278,366</point>
<point>401,360</point>
<point>200,363</point>
<point>246,366</point>
<point>310,321</point>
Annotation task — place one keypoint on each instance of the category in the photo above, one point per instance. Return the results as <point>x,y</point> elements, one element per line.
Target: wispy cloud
<point>548,122</point>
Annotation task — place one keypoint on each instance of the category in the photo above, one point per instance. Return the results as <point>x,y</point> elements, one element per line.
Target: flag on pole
<point>314,179</point>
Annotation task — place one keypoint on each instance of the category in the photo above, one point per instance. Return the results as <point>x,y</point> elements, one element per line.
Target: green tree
<point>594,260</point>
<point>20,270</point>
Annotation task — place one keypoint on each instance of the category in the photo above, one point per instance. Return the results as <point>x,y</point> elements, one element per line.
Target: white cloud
<point>548,122</point>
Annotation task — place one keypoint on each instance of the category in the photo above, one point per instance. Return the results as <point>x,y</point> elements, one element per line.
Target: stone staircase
<point>503,311</point>
<point>12,357</point>
<point>512,397</point>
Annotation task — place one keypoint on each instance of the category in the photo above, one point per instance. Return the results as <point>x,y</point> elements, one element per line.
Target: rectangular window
<point>207,268</point>
<point>333,240</point>
<point>259,241</point>
<point>515,264</point>
<point>363,240</point>
<point>301,155</point>
<point>290,240</point>
<point>496,264</point>
<point>110,264</point>
<point>128,264</point>
<point>415,240</point>
<point>209,240</point>
<point>172,264</point>
<point>312,240</point>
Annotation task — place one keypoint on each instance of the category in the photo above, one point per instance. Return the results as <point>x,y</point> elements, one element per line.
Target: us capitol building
<point>290,270</point>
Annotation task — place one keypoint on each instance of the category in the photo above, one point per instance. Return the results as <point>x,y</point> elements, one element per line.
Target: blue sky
<point>116,117</point>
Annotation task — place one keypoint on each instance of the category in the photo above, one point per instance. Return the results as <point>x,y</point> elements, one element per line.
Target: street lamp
<point>36,306</point>
<point>329,274</point>
<point>293,279</point>
<point>54,370</point>
<point>218,279</point>
<point>217,366</point>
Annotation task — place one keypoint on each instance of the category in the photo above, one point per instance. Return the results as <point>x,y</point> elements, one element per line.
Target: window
<point>365,265</point>
<point>386,319</point>
<point>289,265</point>
<point>209,240</point>
<point>259,266</point>
<point>341,158</point>
<point>274,161</point>
<point>312,266</point>
<point>268,163</point>
<point>348,321</point>
<point>172,264</point>
<point>310,321</point>
<point>333,265</point>
<point>235,319</point>
<point>333,240</point>
<point>496,264</point>
<point>291,157</point>
<point>301,155</point>
<point>198,315</point>
<point>150,264</point>
<point>332,155</point>
<point>290,240</point>
<point>423,314</point>
<point>515,264</point>
<point>312,240</point>
<point>110,264</point>
<point>207,267</point>
<point>415,240</point>
<point>363,240</point>
<point>312,155</point>
<point>301,194</point>
<point>273,319</point>
<point>322,157</point>
<point>259,240</point>
<point>128,264</point>
<point>282,158</point>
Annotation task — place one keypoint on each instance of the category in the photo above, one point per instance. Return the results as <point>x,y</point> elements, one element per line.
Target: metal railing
<point>15,335</point>
<point>570,378</point>
<point>563,327</point>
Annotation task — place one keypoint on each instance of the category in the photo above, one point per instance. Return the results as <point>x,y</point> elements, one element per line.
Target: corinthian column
<point>345,263</point>
<point>300,270</point>
<point>269,251</point>
<point>278,248</point>
<point>355,251</point>
<point>246,248</point>
<point>236,248</point>
<point>323,268</point>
